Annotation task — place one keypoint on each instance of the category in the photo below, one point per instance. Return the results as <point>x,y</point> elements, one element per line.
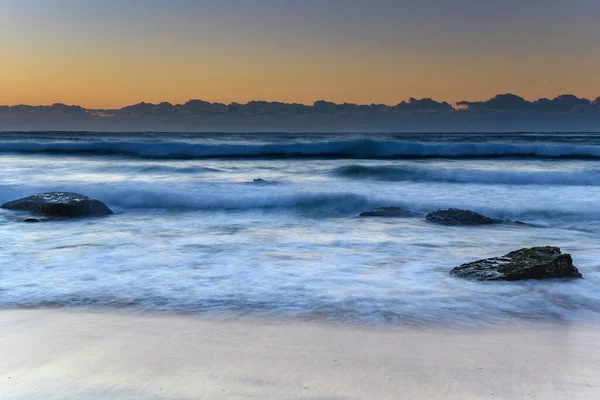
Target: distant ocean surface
<point>191,235</point>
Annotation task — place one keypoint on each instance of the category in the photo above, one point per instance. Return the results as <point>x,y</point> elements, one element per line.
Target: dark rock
<point>454,216</point>
<point>32,220</point>
<point>59,204</point>
<point>533,263</point>
<point>389,212</point>
<point>260,181</point>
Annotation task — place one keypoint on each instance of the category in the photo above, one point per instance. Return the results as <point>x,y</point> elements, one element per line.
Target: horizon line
<point>410,100</point>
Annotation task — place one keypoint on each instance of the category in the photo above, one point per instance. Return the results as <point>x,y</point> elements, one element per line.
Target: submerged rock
<point>32,220</point>
<point>533,263</point>
<point>260,181</point>
<point>60,204</point>
<point>454,216</point>
<point>390,212</point>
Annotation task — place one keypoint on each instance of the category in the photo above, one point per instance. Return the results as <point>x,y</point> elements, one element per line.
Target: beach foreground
<point>83,355</point>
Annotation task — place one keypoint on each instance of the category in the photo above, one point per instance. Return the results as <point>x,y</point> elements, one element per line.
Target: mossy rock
<point>527,263</point>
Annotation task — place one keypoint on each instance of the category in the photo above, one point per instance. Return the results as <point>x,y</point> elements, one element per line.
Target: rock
<point>260,181</point>
<point>534,263</point>
<point>32,220</point>
<point>59,204</point>
<point>454,216</point>
<point>389,212</point>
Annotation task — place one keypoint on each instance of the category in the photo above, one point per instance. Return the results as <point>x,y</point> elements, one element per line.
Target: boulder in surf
<point>261,181</point>
<point>389,212</point>
<point>527,263</point>
<point>60,205</point>
<point>455,216</point>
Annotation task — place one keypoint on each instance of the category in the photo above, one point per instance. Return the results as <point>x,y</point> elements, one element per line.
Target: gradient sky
<point>111,53</point>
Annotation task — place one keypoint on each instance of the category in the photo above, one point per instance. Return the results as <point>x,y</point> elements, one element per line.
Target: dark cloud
<point>562,103</point>
<point>270,108</point>
<point>509,102</point>
<point>201,107</point>
<point>423,105</point>
<point>54,109</point>
<point>142,109</point>
<point>500,102</point>
<point>504,112</point>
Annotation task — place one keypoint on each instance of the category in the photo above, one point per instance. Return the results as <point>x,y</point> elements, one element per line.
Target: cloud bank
<point>502,112</point>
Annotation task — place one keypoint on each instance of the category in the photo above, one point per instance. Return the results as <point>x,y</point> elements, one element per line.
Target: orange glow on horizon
<point>101,57</point>
<point>118,81</point>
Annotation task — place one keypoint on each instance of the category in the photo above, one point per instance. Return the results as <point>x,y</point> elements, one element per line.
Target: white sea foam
<point>190,235</point>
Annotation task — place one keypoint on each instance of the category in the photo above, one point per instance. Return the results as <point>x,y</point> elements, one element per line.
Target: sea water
<point>192,234</point>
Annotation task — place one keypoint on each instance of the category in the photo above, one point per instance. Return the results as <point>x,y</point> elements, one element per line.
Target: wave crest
<point>464,175</point>
<point>131,199</point>
<point>350,149</point>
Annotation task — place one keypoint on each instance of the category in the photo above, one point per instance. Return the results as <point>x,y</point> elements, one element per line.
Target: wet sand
<point>49,354</point>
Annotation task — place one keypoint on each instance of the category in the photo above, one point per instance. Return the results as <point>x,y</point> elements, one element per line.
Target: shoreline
<point>78,354</point>
<point>323,320</point>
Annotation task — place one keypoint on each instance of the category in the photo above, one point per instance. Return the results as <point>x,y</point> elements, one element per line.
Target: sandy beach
<point>299,200</point>
<point>82,355</point>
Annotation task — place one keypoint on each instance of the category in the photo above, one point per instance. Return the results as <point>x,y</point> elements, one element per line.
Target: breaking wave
<point>350,149</point>
<point>464,175</point>
<point>124,199</point>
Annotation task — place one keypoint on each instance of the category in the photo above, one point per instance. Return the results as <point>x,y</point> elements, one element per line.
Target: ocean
<point>192,233</point>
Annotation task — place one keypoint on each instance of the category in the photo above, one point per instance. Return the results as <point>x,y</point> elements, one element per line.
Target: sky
<point>112,53</point>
